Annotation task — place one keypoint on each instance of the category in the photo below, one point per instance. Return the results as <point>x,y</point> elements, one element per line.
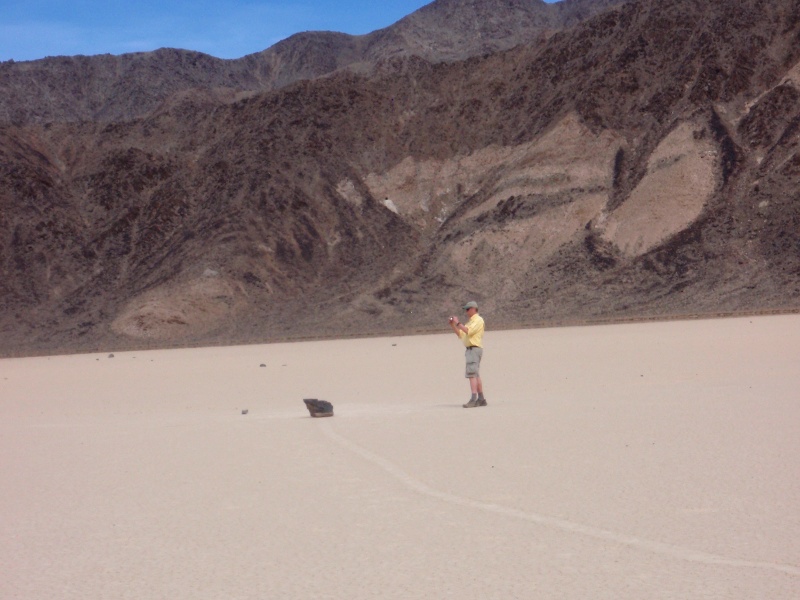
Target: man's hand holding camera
<point>454,323</point>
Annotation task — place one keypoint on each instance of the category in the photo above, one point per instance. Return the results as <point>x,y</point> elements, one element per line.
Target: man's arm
<point>458,328</point>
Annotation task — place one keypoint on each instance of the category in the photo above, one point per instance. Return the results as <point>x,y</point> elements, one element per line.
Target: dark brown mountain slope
<point>642,164</point>
<point>114,88</point>
<point>449,30</point>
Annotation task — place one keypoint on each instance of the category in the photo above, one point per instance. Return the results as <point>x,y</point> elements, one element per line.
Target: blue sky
<point>31,29</point>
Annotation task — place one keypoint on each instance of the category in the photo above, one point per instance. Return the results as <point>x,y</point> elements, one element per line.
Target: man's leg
<point>479,389</point>
<point>473,388</point>
<point>476,388</point>
<point>475,383</point>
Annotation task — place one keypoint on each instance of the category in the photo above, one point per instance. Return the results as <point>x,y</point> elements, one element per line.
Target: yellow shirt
<point>475,335</point>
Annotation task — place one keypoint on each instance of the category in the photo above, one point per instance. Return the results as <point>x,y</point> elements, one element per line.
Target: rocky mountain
<point>114,88</point>
<point>640,163</point>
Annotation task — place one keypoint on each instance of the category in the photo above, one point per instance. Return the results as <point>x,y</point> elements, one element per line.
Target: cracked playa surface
<point>627,461</point>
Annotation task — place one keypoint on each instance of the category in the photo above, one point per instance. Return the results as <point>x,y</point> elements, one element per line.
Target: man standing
<point>471,334</point>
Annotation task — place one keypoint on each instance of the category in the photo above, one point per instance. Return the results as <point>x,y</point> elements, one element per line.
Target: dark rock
<point>318,408</point>
<point>245,411</point>
<point>262,365</point>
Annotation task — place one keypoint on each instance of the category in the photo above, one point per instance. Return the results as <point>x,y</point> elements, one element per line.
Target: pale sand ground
<point>623,462</point>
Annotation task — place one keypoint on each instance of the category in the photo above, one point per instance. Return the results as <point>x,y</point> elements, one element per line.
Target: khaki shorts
<point>474,356</point>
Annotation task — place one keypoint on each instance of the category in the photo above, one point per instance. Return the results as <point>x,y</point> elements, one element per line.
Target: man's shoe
<point>471,404</point>
<point>480,402</point>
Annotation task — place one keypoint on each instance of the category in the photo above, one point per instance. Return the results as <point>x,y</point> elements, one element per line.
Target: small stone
<point>244,411</point>
<point>262,365</point>
<point>110,356</point>
<point>318,408</point>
